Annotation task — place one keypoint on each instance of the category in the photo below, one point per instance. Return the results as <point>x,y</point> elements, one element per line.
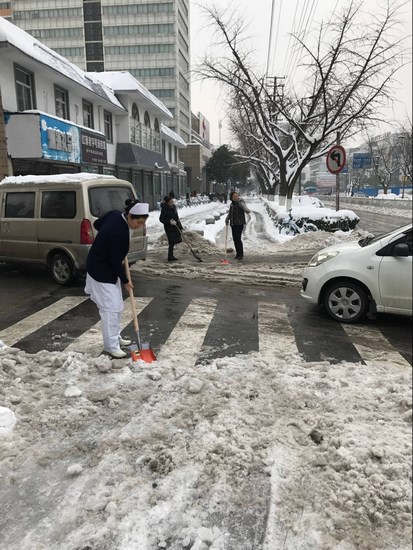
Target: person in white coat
<point>106,272</point>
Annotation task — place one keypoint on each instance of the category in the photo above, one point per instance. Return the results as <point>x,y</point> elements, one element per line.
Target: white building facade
<point>149,39</point>
<point>58,119</point>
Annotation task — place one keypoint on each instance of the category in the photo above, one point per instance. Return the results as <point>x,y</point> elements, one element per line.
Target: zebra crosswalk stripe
<point>186,339</point>
<point>275,335</point>
<point>30,324</point>
<point>373,346</point>
<point>91,341</point>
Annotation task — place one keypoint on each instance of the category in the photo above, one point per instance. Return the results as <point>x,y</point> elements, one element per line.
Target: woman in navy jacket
<point>106,272</point>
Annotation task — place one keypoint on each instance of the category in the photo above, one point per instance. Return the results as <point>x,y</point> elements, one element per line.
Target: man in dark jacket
<point>170,219</point>
<point>236,218</point>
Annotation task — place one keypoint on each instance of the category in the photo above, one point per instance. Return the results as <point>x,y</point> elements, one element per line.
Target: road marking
<point>186,339</point>
<point>91,341</point>
<point>30,324</point>
<point>373,346</point>
<point>275,335</point>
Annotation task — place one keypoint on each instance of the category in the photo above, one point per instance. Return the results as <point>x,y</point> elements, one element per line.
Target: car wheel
<point>345,302</point>
<point>61,269</point>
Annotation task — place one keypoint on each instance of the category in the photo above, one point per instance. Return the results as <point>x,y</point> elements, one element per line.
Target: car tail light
<point>86,232</point>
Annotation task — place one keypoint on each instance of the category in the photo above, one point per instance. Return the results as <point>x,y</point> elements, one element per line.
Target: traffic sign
<point>361,160</point>
<point>336,159</point>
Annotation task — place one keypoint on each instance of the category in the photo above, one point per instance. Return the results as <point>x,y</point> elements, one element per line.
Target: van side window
<point>58,204</point>
<point>19,205</point>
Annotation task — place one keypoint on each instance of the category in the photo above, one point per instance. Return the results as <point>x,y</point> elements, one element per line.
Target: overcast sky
<point>208,98</point>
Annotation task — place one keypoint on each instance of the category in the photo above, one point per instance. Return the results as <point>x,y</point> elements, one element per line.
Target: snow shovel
<point>139,350</point>
<point>189,246</point>
<point>224,261</point>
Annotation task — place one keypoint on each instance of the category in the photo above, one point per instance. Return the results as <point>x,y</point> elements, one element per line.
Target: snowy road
<point>273,443</point>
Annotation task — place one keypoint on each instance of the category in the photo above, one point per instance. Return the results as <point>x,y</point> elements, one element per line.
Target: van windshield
<point>106,198</point>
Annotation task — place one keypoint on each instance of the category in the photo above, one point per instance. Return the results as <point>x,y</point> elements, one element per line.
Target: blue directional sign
<point>361,160</point>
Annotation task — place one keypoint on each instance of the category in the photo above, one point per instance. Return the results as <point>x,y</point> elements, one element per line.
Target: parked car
<point>371,275</point>
<point>49,220</point>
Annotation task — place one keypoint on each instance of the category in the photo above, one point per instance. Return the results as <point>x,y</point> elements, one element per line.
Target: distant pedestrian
<point>106,272</point>
<point>170,219</point>
<point>236,218</point>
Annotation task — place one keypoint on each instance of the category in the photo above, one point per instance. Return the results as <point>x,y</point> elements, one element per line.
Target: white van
<point>49,220</point>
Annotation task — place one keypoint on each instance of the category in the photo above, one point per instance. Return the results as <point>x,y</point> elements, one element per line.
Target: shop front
<point>42,144</point>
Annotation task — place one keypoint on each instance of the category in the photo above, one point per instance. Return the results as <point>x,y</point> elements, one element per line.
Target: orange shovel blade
<point>225,262</point>
<point>146,355</point>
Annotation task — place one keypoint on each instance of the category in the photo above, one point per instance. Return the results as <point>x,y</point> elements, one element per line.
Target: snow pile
<point>245,452</point>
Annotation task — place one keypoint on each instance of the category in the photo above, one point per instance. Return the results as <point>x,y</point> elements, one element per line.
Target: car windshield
<point>370,239</point>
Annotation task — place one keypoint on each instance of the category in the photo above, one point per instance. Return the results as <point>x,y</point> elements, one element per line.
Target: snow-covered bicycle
<point>287,226</point>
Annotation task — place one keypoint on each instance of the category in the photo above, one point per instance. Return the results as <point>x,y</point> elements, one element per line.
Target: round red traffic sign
<point>336,159</point>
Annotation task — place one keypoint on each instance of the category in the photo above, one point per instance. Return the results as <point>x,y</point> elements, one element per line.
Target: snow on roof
<point>32,47</point>
<point>123,81</point>
<point>173,135</point>
<point>57,178</point>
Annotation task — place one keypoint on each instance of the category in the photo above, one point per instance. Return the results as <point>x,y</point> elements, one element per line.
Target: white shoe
<point>116,353</point>
<point>124,341</point>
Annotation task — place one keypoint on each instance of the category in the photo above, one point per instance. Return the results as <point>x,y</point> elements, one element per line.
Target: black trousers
<point>236,236</point>
<point>171,250</point>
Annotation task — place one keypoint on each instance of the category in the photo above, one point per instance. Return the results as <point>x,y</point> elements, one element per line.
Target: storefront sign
<point>93,148</point>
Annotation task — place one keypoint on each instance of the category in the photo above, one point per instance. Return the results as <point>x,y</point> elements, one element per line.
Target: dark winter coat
<point>169,213</point>
<point>236,214</point>
<point>105,259</point>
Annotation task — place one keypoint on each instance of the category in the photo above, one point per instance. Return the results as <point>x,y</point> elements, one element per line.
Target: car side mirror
<point>401,249</point>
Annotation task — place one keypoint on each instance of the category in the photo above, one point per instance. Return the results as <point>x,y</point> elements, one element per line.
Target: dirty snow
<point>258,451</point>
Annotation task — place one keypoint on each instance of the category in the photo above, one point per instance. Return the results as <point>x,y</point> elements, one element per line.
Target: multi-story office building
<point>148,38</point>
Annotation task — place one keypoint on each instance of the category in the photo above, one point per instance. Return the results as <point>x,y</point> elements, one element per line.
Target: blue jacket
<point>105,259</point>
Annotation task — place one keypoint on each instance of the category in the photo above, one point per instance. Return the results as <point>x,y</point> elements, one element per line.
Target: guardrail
<point>405,205</point>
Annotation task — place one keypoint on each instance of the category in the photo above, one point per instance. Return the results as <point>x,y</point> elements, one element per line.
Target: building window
<point>156,125</point>
<point>93,32</point>
<point>24,89</point>
<point>107,122</point>
<point>94,51</point>
<point>147,120</point>
<point>95,66</point>
<point>61,98</point>
<point>92,11</point>
<point>135,125</point>
<point>87,114</point>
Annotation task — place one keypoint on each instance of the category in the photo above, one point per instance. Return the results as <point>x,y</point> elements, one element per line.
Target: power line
<point>270,37</point>
<point>299,31</point>
<point>289,37</point>
<point>305,32</point>
<point>276,36</point>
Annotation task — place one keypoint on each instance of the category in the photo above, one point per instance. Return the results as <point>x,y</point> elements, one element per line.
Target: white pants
<point>108,298</point>
<point>110,323</point>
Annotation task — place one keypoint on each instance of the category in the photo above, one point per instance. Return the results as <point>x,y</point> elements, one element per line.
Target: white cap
<point>140,209</point>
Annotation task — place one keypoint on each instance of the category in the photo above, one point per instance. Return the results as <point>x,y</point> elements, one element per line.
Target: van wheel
<point>345,302</point>
<point>61,269</point>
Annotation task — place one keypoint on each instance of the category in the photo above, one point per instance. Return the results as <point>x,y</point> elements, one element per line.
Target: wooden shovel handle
<point>131,296</point>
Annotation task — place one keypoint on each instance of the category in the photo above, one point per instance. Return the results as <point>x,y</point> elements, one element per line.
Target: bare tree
<point>385,155</point>
<point>405,139</point>
<point>349,76</point>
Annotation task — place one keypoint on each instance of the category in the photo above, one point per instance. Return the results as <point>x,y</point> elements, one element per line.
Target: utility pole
<point>275,87</point>
<point>219,129</point>
<point>338,179</point>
